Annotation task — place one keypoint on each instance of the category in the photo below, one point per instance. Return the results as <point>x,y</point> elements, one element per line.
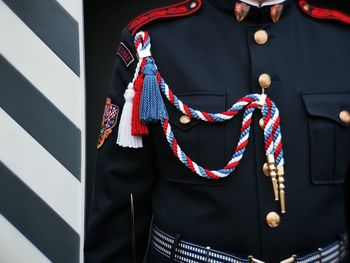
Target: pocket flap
<point>327,105</point>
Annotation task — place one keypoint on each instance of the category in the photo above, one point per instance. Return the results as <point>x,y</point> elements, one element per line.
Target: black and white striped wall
<point>42,127</point>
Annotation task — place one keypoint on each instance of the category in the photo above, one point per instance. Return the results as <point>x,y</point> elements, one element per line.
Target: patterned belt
<point>185,252</point>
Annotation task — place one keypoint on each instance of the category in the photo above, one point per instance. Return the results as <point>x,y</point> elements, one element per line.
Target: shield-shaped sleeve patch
<point>110,117</point>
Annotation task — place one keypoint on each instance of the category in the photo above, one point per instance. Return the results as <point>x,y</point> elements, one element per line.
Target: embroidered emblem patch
<point>241,11</point>
<point>125,54</point>
<point>110,117</point>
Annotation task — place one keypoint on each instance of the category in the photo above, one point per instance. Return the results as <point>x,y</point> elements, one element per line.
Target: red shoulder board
<point>327,9</point>
<point>181,9</point>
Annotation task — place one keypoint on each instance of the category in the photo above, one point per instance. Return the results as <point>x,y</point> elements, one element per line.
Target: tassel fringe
<point>152,107</point>
<point>137,127</point>
<point>125,138</point>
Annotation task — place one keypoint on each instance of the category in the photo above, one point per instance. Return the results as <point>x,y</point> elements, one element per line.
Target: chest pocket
<point>329,134</point>
<point>203,142</point>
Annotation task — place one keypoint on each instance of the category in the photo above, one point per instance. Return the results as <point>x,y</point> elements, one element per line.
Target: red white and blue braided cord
<point>238,153</point>
<point>249,103</point>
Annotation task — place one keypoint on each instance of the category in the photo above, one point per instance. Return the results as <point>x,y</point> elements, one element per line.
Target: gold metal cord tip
<point>272,168</point>
<point>281,187</point>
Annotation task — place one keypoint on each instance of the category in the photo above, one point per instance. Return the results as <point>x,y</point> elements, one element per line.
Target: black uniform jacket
<point>210,61</point>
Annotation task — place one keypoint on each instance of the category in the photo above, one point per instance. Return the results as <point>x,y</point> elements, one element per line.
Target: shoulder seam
<point>323,13</point>
<point>181,9</point>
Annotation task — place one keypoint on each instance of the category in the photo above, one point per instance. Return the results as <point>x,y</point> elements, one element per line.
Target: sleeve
<point>119,221</point>
<point>347,206</point>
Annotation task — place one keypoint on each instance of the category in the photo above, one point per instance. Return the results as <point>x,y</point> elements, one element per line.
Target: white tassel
<point>125,138</point>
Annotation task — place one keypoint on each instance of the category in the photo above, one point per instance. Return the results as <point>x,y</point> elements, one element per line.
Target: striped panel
<point>72,7</point>
<point>42,114</point>
<point>55,27</point>
<point>36,220</point>
<point>35,113</point>
<point>9,252</point>
<point>35,169</point>
<point>55,84</point>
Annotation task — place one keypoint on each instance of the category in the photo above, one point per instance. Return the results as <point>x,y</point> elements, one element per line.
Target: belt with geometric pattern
<point>186,252</point>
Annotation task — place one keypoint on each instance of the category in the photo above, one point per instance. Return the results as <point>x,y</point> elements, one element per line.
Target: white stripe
<point>236,159</point>
<point>168,131</point>
<point>40,65</point>
<point>240,104</point>
<point>40,171</point>
<point>281,162</point>
<point>72,7</point>
<point>269,125</point>
<point>331,256</point>
<point>178,150</point>
<point>196,168</point>
<point>246,118</point>
<point>244,138</point>
<point>137,70</point>
<point>278,139</point>
<point>270,148</point>
<point>15,247</point>
<point>330,250</point>
<point>218,174</point>
<point>166,87</point>
<point>181,107</point>
<point>201,116</point>
<point>167,94</point>
<point>224,117</point>
<point>275,116</point>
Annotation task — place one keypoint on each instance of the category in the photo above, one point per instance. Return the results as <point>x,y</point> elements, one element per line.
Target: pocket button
<point>344,116</point>
<point>185,119</point>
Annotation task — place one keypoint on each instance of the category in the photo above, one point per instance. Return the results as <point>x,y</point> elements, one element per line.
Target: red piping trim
<point>177,10</point>
<point>323,13</point>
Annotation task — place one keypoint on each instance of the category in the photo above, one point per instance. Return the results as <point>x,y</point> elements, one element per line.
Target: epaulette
<point>327,9</point>
<point>177,10</point>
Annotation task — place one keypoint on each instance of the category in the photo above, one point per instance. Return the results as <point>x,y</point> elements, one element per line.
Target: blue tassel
<point>152,107</point>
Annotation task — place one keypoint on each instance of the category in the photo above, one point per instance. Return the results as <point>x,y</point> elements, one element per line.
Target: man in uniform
<point>269,208</point>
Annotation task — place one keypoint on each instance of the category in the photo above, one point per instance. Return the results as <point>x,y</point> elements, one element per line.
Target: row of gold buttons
<point>261,37</point>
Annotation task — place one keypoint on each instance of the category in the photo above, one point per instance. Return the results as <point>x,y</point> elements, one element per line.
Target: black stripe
<point>36,220</point>
<point>53,25</point>
<point>40,118</point>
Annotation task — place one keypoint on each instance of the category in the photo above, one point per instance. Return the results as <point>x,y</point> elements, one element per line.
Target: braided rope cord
<point>249,103</point>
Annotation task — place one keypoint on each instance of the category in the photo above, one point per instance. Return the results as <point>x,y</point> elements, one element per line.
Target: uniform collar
<point>264,3</point>
<point>256,13</point>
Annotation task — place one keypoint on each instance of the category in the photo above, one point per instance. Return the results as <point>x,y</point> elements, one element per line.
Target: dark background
<point>104,21</point>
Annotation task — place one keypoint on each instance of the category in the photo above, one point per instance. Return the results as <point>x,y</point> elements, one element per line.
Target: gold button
<point>306,7</point>
<point>273,219</point>
<point>185,119</point>
<point>193,5</point>
<point>265,81</point>
<point>266,169</point>
<point>261,123</point>
<point>261,37</point>
<point>344,116</point>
